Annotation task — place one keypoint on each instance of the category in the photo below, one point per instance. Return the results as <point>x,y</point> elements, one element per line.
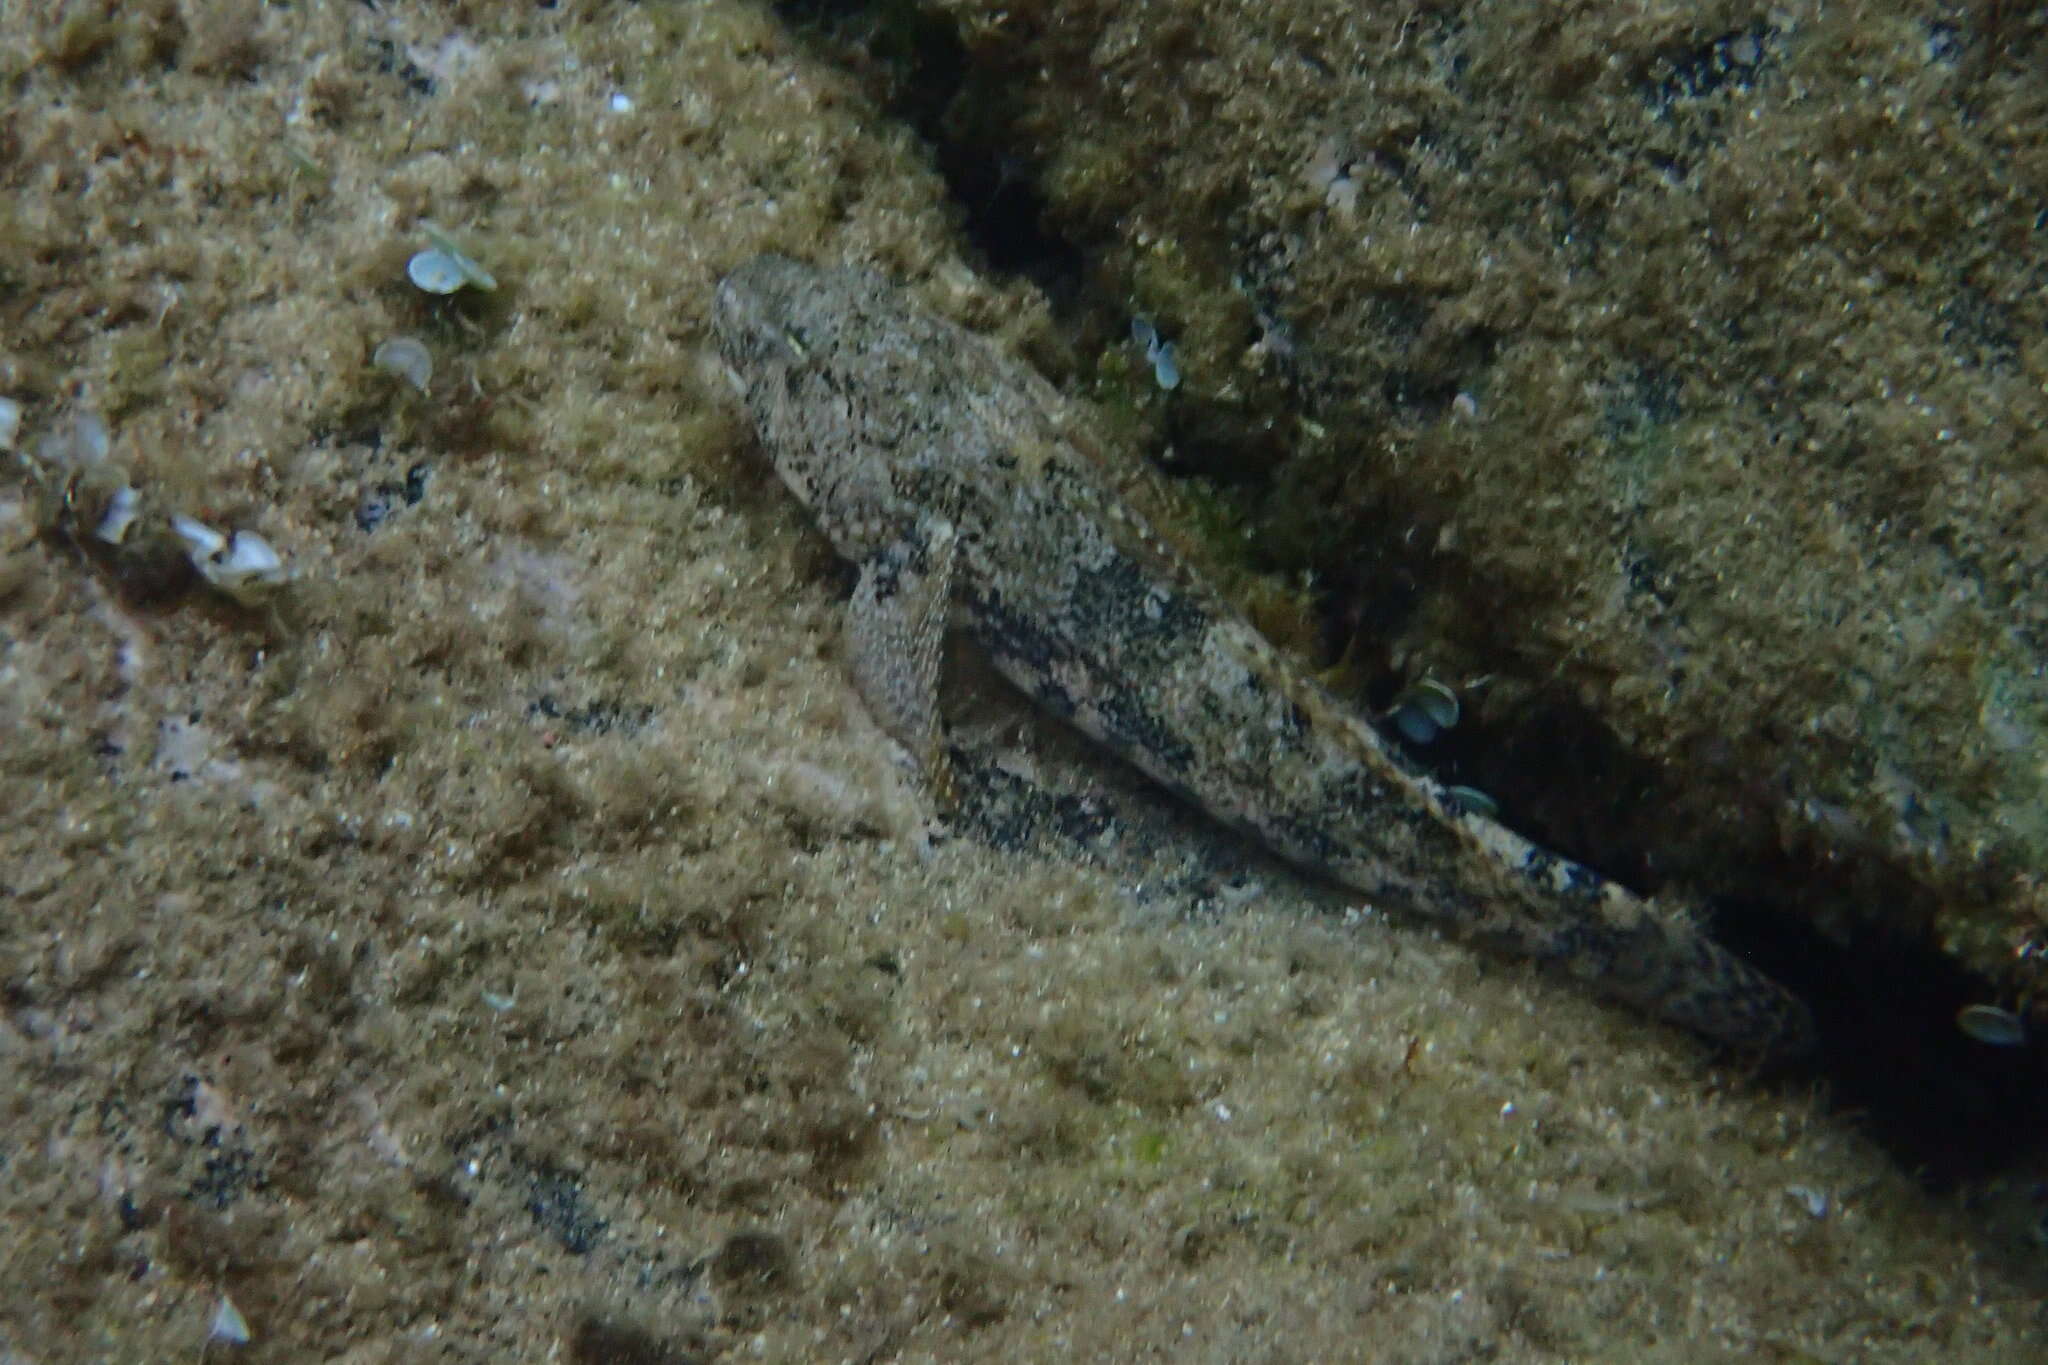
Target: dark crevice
<point>915,67</point>
<point>1946,1107</point>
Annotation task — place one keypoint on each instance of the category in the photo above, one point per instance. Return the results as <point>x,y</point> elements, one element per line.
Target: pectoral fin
<point>895,637</point>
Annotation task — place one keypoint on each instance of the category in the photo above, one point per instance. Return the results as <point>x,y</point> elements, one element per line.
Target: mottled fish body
<point>955,477</point>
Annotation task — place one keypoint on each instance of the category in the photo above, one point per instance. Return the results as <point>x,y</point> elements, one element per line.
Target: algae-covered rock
<point>1677,370</point>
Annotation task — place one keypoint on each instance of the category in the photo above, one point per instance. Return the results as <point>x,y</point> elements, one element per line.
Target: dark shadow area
<point>1947,1107</point>
<point>916,69</point>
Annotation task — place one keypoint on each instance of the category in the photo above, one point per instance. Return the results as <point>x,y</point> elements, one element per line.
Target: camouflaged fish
<point>961,483</point>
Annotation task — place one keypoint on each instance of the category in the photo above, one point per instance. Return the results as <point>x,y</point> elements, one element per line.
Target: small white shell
<point>228,1324</point>
<point>202,542</point>
<point>10,422</point>
<point>1815,1202</point>
<point>240,566</point>
<point>1158,353</point>
<point>1437,701</point>
<point>435,272</point>
<point>472,273</point>
<point>408,358</point>
<point>1423,710</point>
<point>248,563</point>
<point>124,504</point>
<point>1165,369</point>
<point>1471,801</point>
<point>1991,1025</point>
